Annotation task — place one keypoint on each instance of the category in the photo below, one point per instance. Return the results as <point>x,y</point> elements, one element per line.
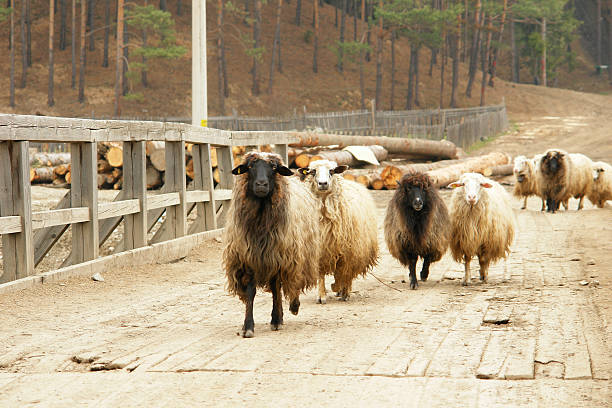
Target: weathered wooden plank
<point>519,364</point>
<point>222,194</point>
<point>10,224</point>
<point>207,217</point>
<point>283,150</point>
<point>118,208</point>
<point>162,200</point>
<point>135,185</point>
<point>176,181</point>
<point>44,239</point>
<point>50,218</point>
<point>197,196</point>
<point>459,354</point>
<point>509,355</point>
<point>243,138</point>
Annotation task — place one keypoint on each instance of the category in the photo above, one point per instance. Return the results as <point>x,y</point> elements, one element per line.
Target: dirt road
<point>166,334</point>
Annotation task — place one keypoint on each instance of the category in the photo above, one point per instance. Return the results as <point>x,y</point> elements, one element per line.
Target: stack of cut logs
<point>55,167</point>
<point>442,160</point>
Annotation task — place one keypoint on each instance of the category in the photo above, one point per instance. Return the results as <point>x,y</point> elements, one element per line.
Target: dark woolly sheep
<point>271,236</point>
<point>553,178</point>
<point>417,224</point>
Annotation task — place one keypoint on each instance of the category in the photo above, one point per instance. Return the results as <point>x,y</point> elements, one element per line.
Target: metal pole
<point>199,107</point>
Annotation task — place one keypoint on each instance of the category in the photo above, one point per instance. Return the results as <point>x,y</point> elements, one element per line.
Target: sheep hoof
<point>275,327</point>
<point>247,334</point>
<point>338,294</point>
<point>424,275</point>
<point>344,298</point>
<point>523,207</point>
<point>321,301</point>
<point>414,284</point>
<point>465,282</point>
<point>294,307</point>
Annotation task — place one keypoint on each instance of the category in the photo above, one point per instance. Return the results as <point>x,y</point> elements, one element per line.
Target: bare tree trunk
<point>73,45</point>
<point>315,68</point>
<point>515,56</point>
<point>90,24</point>
<point>50,101</point>
<point>443,63</point>
<point>12,58</point>
<point>257,42</point>
<point>29,31</point>
<point>223,62</point>
<point>336,16</point>
<point>354,20</point>
<point>298,12</point>
<point>544,79</point>
<point>499,41</point>
<point>417,102</point>
<point>119,62</point>
<point>125,86</point>
<point>220,57</point>
<point>24,45</point>
<point>391,105</point>
<point>599,48</point>
<point>610,41</point>
<point>485,62</point>
<point>361,80</point>
<point>62,39</point>
<point>163,5</point>
<point>275,43</point>
<point>409,97</point>
<point>342,27</point>
<point>455,57</point>
<point>179,8</point>
<point>475,49</point>
<point>368,18</point>
<point>82,59</point>
<point>106,32</point>
<point>379,60</point>
<point>465,31</point>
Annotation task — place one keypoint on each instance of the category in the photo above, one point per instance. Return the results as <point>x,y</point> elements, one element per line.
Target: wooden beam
<point>10,224</point>
<point>162,200</point>
<point>222,194</point>
<point>207,219</point>
<point>174,177</point>
<point>135,185</point>
<point>283,150</point>
<point>118,208</point>
<point>197,196</point>
<point>50,218</point>
<point>44,239</point>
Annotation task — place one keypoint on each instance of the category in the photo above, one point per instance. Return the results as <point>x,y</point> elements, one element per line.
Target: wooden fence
<point>27,236</point>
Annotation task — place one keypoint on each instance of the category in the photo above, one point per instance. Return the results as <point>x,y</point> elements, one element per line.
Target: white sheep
<point>525,174</point>
<point>349,234</point>
<point>581,178</point>
<point>482,222</point>
<point>601,190</point>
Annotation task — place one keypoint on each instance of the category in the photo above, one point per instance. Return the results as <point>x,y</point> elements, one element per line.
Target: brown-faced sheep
<point>272,224</point>
<point>349,243</point>
<point>553,178</point>
<point>581,178</point>
<point>525,174</point>
<point>601,190</point>
<point>482,222</point>
<point>417,224</point>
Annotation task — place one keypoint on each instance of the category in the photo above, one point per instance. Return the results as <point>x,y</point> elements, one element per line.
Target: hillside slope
<point>295,89</point>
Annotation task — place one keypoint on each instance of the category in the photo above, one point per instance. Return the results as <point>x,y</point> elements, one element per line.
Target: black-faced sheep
<point>482,222</point>
<point>273,223</point>
<point>349,242</point>
<point>601,189</point>
<point>525,175</point>
<point>553,178</point>
<point>581,178</point>
<point>417,224</point>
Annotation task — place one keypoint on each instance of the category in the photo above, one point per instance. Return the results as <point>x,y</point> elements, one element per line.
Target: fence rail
<point>27,236</point>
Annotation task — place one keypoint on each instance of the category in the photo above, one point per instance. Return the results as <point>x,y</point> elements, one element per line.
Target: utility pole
<point>199,97</point>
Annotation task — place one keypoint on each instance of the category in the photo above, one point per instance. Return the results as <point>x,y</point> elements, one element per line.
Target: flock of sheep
<point>285,234</point>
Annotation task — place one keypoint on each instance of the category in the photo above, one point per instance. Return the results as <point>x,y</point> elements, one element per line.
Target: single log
<point>501,170</point>
<point>112,152</point>
<point>118,184</point>
<point>61,170</point>
<point>42,175</point>
<point>189,169</point>
<point>349,176</point>
<point>446,175</point>
<point>154,179</point>
<point>213,157</point>
<point>101,180</point>
<point>188,149</point>
<point>103,166</point>
<point>216,175</point>
<point>422,147</point>
<point>302,160</point>
<point>158,159</point>
<point>375,182</point>
<point>68,177</point>
<point>343,157</point>
<point>392,174</point>
<point>154,145</point>
<point>110,179</point>
<point>49,159</point>
<point>59,181</point>
<point>117,173</point>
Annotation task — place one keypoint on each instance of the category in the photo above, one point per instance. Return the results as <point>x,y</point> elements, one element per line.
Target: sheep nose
<point>471,198</point>
<point>323,184</point>
<point>261,183</point>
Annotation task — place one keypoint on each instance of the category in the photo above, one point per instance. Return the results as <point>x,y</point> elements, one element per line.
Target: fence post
<point>84,193</point>
<point>174,178</point>
<point>15,199</point>
<point>283,151</point>
<point>135,186</point>
<point>225,162</point>
<point>207,219</point>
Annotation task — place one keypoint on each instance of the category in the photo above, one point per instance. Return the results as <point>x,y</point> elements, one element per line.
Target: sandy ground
<point>537,334</point>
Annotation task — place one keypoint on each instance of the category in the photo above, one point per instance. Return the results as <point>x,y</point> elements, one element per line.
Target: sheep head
<point>261,170</point>
<point>414,186</point>
<point>472,184</point>
<point>322,172</point>
<point>551,161</point>
<point>520,168</point>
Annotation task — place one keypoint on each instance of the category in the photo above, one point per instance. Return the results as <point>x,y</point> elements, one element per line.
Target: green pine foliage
<point>4,13</point>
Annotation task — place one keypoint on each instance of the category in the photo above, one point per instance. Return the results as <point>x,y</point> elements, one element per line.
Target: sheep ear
<point>284,171</point>
<point>486,185</point>
<point>303,171</point>
<point>243,168</point>
<point>455,184</point>
<point>340,169</point>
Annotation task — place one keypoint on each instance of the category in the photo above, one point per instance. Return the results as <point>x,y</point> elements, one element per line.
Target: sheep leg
<point>277,304</point>
<point>543,205</point>
<point>484,269</point>
<point>467,277</point>
<point>412,261</point>
<point>294,306</point>
<point>248,329</point>
<point>322,292</point>
<point>524,203</point>
<point>345,292</point>
<point>580,203</point>
<point>425,270</point>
